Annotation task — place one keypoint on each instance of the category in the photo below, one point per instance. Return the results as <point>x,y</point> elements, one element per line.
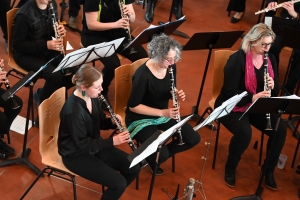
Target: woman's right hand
<point>261,94</point>
<point>122,23</point>
<point>171,112</point>
<point>55,45</point>
<point>121,138</point>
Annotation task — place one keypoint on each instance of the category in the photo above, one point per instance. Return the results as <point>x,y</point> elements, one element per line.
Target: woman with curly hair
<point>149,100</point>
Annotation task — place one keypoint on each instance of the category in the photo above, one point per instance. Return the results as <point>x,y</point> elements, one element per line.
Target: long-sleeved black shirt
<point>79,130</point>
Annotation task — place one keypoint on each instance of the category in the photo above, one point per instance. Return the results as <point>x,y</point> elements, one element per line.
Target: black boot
<point>230,177</point>
<point>177,9</point>
<point>270,181</point>
<point>150,10</point>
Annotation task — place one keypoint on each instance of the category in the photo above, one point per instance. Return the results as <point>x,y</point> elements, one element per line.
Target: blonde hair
<point>86,75</point>
<point>256,33</point>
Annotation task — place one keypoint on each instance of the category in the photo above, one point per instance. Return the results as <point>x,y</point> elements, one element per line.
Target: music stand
<point>275,105</point>
<point>152,144</point>
<point>88,54</point>
<point>146,35</point>
<point>210,41</point>
<point>175,32</point>
<point>25,81</point>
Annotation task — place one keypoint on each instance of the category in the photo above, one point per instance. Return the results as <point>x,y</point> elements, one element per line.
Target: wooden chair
<point>220,59</point>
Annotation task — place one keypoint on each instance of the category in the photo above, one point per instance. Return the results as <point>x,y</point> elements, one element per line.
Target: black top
<point>79,130</point>
<point>148,90</point>
<point>110,12</point>
<point>234,79</point>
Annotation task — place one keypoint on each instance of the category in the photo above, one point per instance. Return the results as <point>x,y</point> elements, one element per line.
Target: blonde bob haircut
<point>255,35</point>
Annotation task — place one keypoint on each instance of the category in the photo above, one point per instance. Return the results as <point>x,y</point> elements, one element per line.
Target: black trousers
<point>8,116</point>
<point>294,73</point>
<point>236,5</point>
<point>53,81</point>
<point>112,62</point>
<point>74,7</point>
<point>242,135</point>
<point>108,167</point>
<point>189,137</point>
<point>4,8</point>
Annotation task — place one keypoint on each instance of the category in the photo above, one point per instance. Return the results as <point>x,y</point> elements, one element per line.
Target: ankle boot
<point>270,181</point>
<point>150,10</point>
<point>177,9</point>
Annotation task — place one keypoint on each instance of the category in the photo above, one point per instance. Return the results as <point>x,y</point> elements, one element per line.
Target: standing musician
<point>7,117</point>
<point>83,150</point>
<point>33,45</point>
<point>244,71</point>
<point>149,98</point>
<point>290,11</point>
<point>102,22</point>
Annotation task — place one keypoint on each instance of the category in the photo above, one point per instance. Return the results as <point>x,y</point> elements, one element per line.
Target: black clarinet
<point>14,104</point>
<point>266,88</point>
<point>120,127</point>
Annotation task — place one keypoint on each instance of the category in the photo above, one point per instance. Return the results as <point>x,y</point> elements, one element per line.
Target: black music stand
<point>146,35</point>
<point>88,54</point>
<point>25,81</point>
<point>275,105</point>
<point>152,144</point>
<point>290,38</point>
<point>175,32</point>
<point>210,41</point>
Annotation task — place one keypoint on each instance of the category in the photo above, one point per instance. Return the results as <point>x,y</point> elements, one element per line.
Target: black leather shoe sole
<point>270,187</point>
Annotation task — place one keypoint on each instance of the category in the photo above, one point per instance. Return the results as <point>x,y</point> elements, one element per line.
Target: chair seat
<point>211,103</point>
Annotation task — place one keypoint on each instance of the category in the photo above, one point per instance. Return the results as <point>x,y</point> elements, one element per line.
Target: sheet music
<point>222,110</point>
<point>18,125</point>
<point>161,138</point>
<point>75,58</point>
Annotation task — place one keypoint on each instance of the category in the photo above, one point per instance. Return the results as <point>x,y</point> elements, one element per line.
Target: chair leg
<point>8,137</point>
<point>297,147</point>
<point>32,184</point>
<point>173,164</point>
<point>137,182</point>
<point>216,145</point>
<point>261,148</point>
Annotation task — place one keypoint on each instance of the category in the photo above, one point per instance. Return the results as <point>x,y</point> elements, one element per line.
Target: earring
<point>83,93</point>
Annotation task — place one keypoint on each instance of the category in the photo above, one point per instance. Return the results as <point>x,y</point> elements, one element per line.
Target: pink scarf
<point>250,79</point>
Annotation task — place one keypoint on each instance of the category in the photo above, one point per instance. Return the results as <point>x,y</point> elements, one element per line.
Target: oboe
<point>175,102</point>
<point>14,104</point>
<point>266,87</point>
<point>278,6</point>
<point>120,127</point>
<point>121,5</point>
<point>55,26</point>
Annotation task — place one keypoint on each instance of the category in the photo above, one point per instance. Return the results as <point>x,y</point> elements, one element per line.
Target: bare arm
<point>146,110</point>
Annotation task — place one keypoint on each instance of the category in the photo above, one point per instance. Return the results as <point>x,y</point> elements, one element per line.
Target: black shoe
<point>159,171</point>
<point>270,181</point>
<point>229,177</point>
<point>150,11</point>
<point>8,150</point>
<point>37,97</point>
<point>236,20</point>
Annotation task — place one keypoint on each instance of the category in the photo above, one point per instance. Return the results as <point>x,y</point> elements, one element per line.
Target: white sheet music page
<point>154,145</point>
<point>18,125</point>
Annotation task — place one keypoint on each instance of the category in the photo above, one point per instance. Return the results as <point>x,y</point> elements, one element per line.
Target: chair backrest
<point>123,85</point>
<point>221,57</point>
<point>49,121</point>
<point>10,25</point>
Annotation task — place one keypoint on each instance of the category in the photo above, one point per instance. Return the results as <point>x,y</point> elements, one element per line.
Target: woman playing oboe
<point>149,98</point>
<point>244,71</point>
<point>83,150</point>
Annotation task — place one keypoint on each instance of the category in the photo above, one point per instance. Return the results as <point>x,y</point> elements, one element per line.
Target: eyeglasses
<point>264,45</point>
<point>175,59</point>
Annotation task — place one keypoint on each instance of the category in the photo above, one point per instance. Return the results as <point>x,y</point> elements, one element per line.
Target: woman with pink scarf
<point>244,71</point>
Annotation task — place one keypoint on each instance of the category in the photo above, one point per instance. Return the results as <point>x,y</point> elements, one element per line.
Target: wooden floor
<point>202,16</point>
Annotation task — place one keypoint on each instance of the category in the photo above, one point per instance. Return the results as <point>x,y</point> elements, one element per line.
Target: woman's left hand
<point>270,83</point>
<point>126,11</point>
<point>61,30</point>
<point>181,94</point>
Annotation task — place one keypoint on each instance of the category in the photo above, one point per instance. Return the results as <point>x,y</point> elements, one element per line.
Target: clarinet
<point>14,104</point>
<point>120,127</point>
<point>175,102</point>
<point>266,87</point>
<point>55,26</point>
<point>121,5</point>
